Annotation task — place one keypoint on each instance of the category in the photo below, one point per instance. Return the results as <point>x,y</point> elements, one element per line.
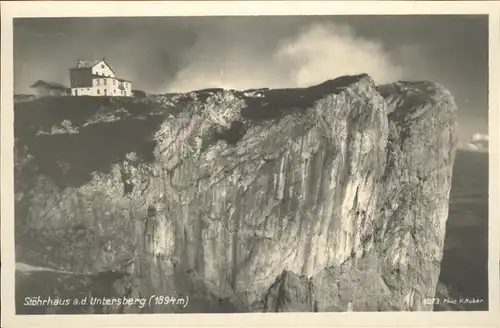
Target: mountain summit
<point>328,198</point>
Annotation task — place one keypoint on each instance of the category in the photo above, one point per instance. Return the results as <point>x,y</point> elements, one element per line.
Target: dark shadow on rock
<point>69,159</point>
<point>277,103</point>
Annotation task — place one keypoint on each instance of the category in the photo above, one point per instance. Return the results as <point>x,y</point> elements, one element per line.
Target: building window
<point>105,81</point>
<point>102,65</point>
<point>114,82</point>
<point>97,82</point>
<point>98,91</point>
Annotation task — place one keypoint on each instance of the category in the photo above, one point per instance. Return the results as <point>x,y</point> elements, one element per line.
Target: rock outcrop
<point>328,198</point>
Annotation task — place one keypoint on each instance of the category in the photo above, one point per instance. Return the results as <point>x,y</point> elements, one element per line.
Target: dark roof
<point>86,64</point>
<point>122,80</point>
<point>52,85</point>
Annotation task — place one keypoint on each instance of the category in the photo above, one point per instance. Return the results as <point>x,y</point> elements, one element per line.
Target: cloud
<point>480,137</point>
<point>325,51</point>
<point>316,53</point>
<point>478,143</point>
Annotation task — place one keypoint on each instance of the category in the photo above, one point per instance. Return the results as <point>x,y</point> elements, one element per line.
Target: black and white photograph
<point>250,164</point>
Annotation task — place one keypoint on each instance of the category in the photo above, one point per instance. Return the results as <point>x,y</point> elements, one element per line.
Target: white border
<point>202,8</point>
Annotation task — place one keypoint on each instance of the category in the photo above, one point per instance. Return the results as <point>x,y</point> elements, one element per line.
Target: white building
<point>97,78</point>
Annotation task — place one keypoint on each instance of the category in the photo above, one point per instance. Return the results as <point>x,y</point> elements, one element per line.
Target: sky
<point>176,54</point>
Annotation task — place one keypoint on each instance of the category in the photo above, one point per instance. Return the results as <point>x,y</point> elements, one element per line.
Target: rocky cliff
<point>328,198</point>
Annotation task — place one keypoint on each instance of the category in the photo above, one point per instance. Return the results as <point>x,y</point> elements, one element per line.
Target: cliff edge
<point>328,198</point>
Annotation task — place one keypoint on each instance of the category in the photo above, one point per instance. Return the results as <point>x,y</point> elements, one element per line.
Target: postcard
<point>249,163</point>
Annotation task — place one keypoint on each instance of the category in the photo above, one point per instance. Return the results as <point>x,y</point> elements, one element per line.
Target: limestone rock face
<point>328,198</point>
<point>290,293</point>
<point>417,182</point>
